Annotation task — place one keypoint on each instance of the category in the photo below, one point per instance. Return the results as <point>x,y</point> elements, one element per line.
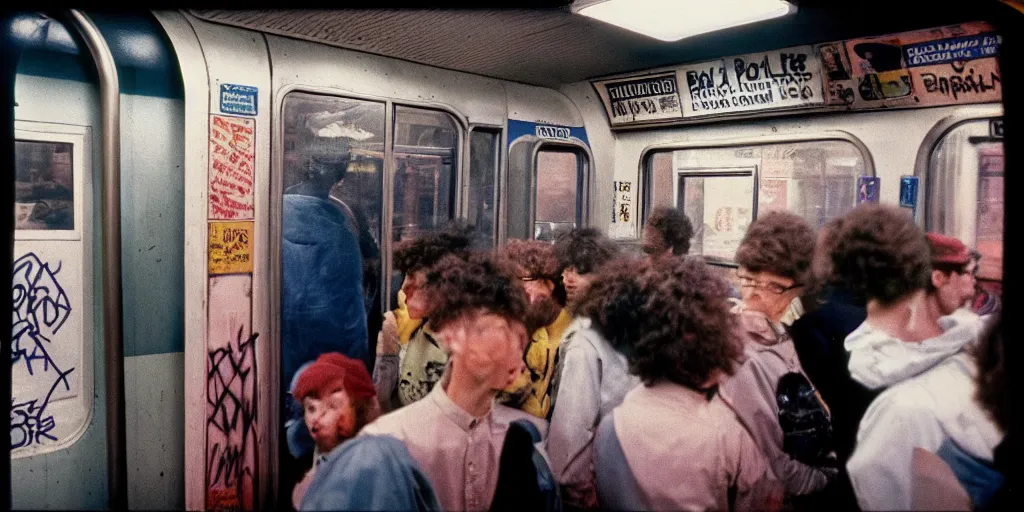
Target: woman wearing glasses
<point>769,391</point>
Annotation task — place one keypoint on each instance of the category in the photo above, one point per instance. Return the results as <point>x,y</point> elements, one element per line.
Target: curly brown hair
<point>536,258</point>
<point>457,286</point>
<point>586,249</point>
<point>670,317</point>
<point>424,251</point>
<point>674,226</point>
<point>878,251</point>
<point>779,242</point>
<point>992,384</point>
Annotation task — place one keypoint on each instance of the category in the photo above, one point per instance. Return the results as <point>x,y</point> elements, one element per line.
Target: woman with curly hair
<point>592,377</point>
<point>410,359</point>
<point>580,253</point>
<point>775,261</point>
<point>667,231</point>
<point>456,433</point>
<point>920,363</point>
<point>673,444</point>
<point>537,269</point>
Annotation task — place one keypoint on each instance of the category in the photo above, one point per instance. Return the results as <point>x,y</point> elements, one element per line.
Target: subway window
<point>557,200</point>
<point>43,186</point>
<point>722,189</point>
<point>483,175</point>
<point>965,174</point>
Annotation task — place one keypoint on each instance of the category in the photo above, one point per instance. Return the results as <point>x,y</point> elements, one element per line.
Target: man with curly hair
<point>673,444</point>
<point>410,359</point>
<point>581,252</point>
<point>667,231</point>
<point>457,431</point>
<point>537,269</point>
<point>920,363</point>
<point>774,260</point>
<point>592,378</point>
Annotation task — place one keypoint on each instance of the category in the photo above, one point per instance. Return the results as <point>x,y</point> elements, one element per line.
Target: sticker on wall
<point>232,167</point>
<point>868,189</point>
<point>622,210</point>
<point>230,248</point>
<point>648,98</point>
<point>785,78</point>
<point>908,193</point>
<point>552,132</point>
<point>995,128</point>
<point>238,99</point>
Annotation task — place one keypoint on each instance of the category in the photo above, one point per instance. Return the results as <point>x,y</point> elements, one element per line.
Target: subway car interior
<point>152,154</point>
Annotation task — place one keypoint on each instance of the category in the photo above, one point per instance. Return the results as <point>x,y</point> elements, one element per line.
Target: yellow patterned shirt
<point>531,391</point>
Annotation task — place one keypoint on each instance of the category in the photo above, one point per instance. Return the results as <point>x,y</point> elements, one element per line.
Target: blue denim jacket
<point>979,478</point>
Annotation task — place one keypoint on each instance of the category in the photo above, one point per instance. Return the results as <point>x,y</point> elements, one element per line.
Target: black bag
<point>805,421</point>
<point>525,482</point>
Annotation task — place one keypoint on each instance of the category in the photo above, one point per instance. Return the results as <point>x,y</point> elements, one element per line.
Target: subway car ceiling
<point>553,47</point>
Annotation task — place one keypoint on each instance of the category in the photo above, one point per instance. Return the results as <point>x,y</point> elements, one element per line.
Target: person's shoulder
<point>397,423</point>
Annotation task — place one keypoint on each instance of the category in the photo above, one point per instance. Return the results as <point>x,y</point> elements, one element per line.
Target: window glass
<point>483,173</point>
<point>44,186</point>
<point>557,200</point>
<point>966,169</point>
<point>814,179</point>
<point>426,162</point>
<point>331,232</point>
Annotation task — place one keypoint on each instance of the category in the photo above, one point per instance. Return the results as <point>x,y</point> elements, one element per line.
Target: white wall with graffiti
<point>51,351</point>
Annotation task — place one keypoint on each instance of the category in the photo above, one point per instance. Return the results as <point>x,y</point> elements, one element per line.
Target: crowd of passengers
<point>850,368</point>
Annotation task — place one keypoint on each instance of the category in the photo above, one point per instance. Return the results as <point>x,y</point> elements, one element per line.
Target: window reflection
<point>483,173</point>
<point>557,200</point>
<point>44,186</point>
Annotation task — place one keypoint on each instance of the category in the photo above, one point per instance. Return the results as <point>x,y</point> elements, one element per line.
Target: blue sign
<point>238,99</point>
<point>868,189</point>
<point>517,129</point>
<point>908,192</point>
<point>953,49</point>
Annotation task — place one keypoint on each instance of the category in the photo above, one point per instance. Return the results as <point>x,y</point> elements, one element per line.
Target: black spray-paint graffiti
<point>751,83</point>
<point>232,415</point>
<point>960,84</point>
<point>41,307</point>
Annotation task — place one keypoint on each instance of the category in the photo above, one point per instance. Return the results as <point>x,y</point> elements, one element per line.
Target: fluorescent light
<point>672,20</point>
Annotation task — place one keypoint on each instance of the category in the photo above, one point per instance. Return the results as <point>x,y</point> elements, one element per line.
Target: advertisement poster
<point>728,211</point>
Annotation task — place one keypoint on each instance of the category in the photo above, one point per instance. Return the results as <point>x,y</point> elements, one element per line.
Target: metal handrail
<point>113,343</point>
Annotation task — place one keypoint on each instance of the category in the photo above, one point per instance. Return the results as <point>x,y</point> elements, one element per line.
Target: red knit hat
<point>947,250</point>
<point>333,369</point>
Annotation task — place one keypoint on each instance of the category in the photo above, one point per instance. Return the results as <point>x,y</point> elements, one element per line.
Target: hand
<point>387,339</point>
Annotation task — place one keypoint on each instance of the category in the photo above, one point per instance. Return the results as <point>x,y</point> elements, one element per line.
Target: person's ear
<point>939,279</point>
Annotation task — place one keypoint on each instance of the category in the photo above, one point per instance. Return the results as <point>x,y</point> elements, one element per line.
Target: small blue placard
<point>908,192</point>
<point>238,99</point>
<point>868,188</point>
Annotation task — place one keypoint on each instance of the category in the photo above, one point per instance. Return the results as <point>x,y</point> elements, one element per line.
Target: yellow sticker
<point>230,248</point>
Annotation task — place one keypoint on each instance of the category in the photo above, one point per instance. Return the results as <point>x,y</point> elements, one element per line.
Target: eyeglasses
<point>771,286</point>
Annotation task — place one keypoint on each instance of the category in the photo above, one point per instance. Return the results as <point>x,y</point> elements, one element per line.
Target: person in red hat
<point>953,278</point>
<point>338,399</point>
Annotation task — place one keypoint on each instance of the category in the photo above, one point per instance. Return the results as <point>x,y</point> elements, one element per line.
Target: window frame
<point>644,167</point>
<point>499,176</point>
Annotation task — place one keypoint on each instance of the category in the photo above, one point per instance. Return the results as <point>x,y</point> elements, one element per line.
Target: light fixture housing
<point>672,20</point>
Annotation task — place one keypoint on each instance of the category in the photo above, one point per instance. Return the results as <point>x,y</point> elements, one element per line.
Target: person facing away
<point>774,260</point>
<point>338,399</point>
<point>410,358</point>
<point>673,444</point>
<point>667,231</point>
<point>920,362</point>
<point>537,269</point>
<point>457,431</point>
<point>322,306</point>
<point>818,337</point>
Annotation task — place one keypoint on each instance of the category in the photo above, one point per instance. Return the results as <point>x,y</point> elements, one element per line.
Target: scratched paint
<point>231,396</point>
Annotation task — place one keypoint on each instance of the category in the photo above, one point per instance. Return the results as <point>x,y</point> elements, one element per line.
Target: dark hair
<point>457,286</point>
<point>586,249</point>
<point>992,385</point>
<point>670,317</point>
<point>674,226</point>
<point>778,242</point>
<point>878,251</point>
<point>538,260</point>
<point>424,251</point>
